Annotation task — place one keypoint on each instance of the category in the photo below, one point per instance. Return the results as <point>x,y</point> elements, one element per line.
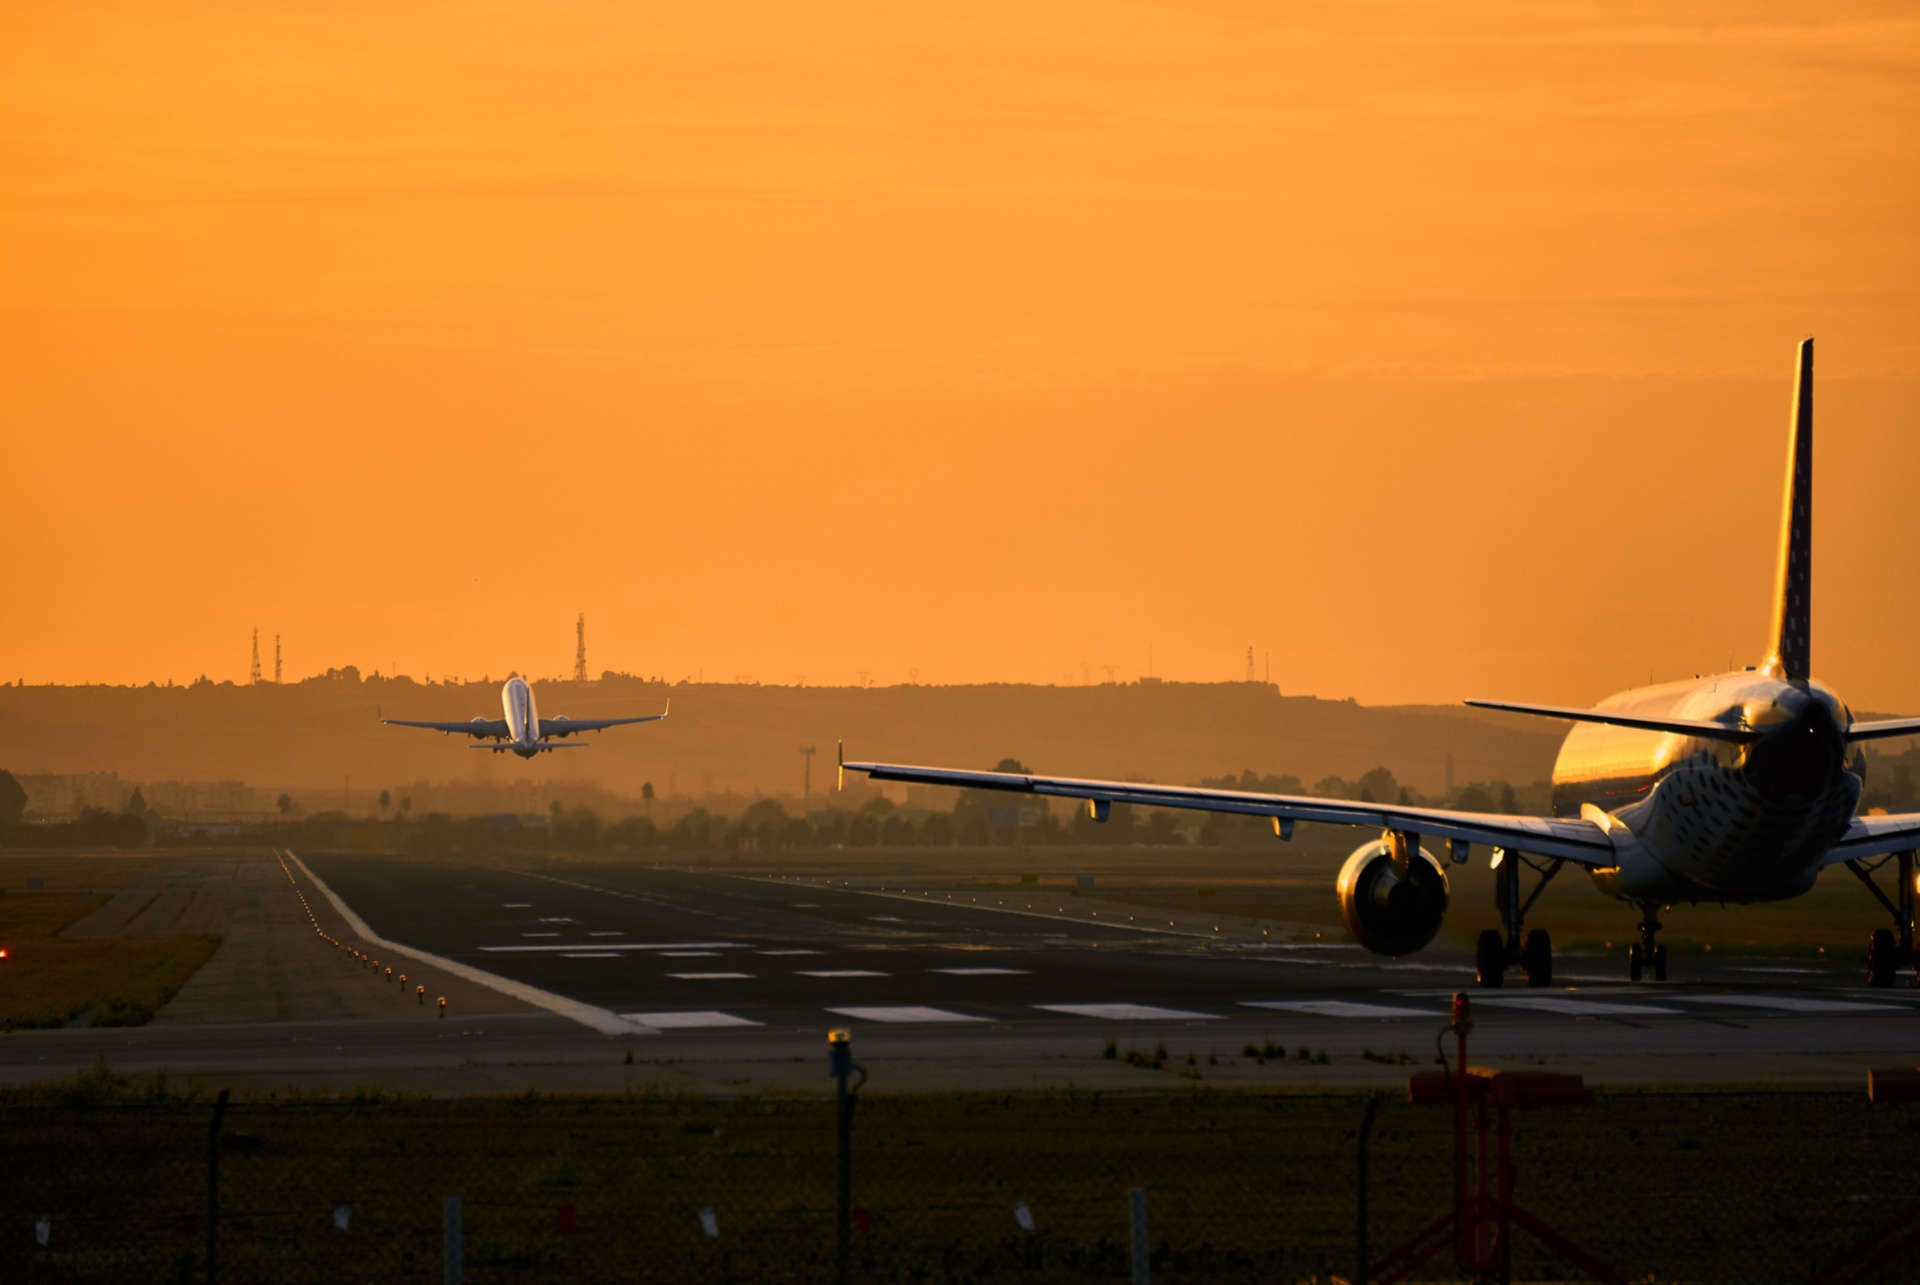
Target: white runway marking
<point>688,954</point>
<point>842,972</point>
<point>980,972</point>
<point>688,1020</point>
<point>555,919</point>
<point>516,905</point>
<point>794,950</point>
<point>1573,1007</point>
<point>539,934</point>
<point>886,919</point>
<point>903,1013</point>
<point>1123,1012</point>
<point>1757,968</point>
<point>590,954</point>
<point>607,932</point>
<point>1789,1004</point>
<point>617,945</point>
<point>806,905</point>
<point>1338,1008</point>
<point>711,977</point>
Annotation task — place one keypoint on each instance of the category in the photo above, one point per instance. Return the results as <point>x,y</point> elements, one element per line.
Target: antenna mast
<point>276,659</point>
<point>580,649</point>
<point>253,670</point>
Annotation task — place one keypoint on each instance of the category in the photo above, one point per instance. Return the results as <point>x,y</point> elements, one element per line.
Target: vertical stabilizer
<point>1792,654</point>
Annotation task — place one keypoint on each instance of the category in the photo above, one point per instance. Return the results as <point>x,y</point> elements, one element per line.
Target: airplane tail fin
<point>1791,655</point>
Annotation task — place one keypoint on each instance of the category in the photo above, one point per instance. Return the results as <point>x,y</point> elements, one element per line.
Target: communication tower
<point>580,649</point>
<point>253,671</point>
<point>1249,662</point>
<point>276,660</point>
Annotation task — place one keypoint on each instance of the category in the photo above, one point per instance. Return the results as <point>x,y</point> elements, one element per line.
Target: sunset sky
<point>1434,350</point>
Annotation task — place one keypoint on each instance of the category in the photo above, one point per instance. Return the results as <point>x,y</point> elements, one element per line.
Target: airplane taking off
<point>1739,787</point>
<point>523,730</point>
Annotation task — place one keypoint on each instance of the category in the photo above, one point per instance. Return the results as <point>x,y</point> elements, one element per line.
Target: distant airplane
<point>1740,787</point>
<point>523,730</point>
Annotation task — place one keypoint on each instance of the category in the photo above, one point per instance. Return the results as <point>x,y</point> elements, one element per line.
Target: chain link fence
<point>954,1188</point>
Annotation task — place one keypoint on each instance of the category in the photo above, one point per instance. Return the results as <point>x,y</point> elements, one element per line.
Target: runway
<point>682,951</point>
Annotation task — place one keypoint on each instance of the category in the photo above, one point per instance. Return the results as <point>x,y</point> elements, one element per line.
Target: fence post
<point>213,1188</point>
<point>1142,1244</point>
<point>1361,1254</point>
<point>450,1243</point>
<point>840,1066</point>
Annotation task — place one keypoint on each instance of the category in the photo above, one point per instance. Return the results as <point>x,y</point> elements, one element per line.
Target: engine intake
<point>1387,913</point>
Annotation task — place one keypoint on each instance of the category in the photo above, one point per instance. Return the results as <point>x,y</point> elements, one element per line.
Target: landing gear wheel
<point>1537,958</point>
<point>1660,962</point>
<point>1490,959</point>
<point>1636,962</point>
<point>1882,958</point>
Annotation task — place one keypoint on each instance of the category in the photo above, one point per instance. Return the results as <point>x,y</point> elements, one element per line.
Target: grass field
<point>1241,1186</point>
<point>51,980</point>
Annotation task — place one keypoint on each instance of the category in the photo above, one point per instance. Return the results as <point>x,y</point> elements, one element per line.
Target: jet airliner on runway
<point>1739,787</point>
<point>523,731</point>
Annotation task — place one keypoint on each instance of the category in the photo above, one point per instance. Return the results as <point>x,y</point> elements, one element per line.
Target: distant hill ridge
<point>733,737</point>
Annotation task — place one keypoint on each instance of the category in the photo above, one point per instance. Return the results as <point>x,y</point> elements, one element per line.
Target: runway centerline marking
<point>1124,1012</point>
<point>792,950</point>
<point>688,954</point>
<point>968,905</point>
<point>1337,1008</point>
<point>981,972</point>
<point>841,972</point>
<point>516,905</point>
<point>711,977</point>
<point>590,954</point>
<point>689,1020</point>
<point>539,934</point>
<point>903,1013</point>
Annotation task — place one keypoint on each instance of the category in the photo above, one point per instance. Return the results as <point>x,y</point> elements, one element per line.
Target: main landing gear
<point>1647,952</point>
<point>1888,950</point>
<point>1497,949</point>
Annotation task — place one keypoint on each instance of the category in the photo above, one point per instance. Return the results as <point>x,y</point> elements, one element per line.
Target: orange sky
<point>1438,350</point>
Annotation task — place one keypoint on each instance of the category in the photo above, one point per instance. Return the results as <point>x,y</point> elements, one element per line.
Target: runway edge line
<point>602,1020</point>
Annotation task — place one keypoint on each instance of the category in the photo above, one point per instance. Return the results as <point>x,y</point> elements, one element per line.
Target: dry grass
<point>52,980</point>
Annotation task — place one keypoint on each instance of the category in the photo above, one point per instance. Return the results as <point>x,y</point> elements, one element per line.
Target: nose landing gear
<point>1888,950</point>
<point>1497,950</point>
<point>1648,952</point>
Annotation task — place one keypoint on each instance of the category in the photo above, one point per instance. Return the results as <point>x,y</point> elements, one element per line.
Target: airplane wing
<point>564,726</point>
<point>1874,835</point>
<point>1581,842</point>
<point>1885,727</point>
<point>496,727</point>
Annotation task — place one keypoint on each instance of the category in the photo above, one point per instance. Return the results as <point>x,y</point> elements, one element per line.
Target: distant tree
<point>386,800</point>
<point>13,800</point>
<point>406,803</point>
<point>1476,798</point>
<point>646,796</point>
<point>1508,803</point>
<point>1378,783</point>
<point>1011,765</point>
<point>137,804</point>
<point>285,804</point>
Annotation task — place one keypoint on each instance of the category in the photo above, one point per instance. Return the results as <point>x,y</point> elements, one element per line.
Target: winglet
<point>669,709</point>
<point>840,766</point>
<point>1791,656</point>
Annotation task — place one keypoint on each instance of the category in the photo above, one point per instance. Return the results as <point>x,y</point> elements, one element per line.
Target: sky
<point>1431,351</point>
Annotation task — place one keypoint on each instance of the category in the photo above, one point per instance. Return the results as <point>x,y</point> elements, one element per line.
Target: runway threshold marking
<point>1124,1012</point>
<point>902,1013</point>
<point>613,945</point>
<point>1338,1008</point>
<point>1791,1004</point>
<point>602,1020</point>
<point>690,1020</point>
<point>1574,1007</point>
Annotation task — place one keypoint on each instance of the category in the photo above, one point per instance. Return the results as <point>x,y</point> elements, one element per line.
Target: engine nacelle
<point>1384,912</point>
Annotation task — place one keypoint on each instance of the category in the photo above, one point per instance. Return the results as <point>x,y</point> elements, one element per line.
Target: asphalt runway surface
<point>684,951</point>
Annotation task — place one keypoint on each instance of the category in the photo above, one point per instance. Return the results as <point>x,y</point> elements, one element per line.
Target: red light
<point>3,952</point>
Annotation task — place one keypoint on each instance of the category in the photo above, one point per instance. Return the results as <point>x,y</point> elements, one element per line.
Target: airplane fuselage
<point>1696,819</point>
<point>523,717</point>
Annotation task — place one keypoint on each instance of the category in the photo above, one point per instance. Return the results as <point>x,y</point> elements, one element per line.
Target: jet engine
<point>1387,912</point>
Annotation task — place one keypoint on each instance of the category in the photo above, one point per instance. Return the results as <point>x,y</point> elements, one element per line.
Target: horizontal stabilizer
<point>1886,727</point>
<point>511,746</point>
<point>1676,726</point>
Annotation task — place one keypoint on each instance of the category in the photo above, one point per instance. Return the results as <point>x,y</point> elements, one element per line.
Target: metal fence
<point>1034,1187</point>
